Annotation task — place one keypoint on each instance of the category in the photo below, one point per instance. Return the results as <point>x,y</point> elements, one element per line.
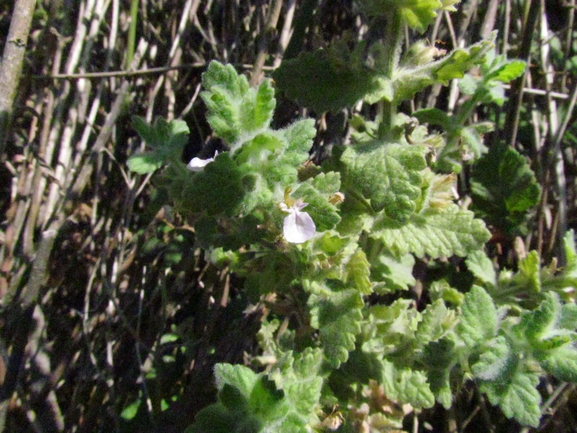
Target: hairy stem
<point>393,41</point>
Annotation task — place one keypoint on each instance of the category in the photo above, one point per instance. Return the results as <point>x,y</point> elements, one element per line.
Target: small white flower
<point>197,164</point>
<point>298,226</point>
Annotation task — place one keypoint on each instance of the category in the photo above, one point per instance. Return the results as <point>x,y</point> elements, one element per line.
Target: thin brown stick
<point>513,114</point>
<point>270,26</point>
<point>11,66</point>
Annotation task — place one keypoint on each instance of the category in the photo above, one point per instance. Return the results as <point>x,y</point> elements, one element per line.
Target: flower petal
<point>298,227</point>
<point>197,164</point>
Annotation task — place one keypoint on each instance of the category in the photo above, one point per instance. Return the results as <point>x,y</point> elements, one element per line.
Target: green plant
<point>371,209</point>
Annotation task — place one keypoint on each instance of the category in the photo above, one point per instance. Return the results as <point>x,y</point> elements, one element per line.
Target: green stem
<point>393,41</point>
<point>132,33</point>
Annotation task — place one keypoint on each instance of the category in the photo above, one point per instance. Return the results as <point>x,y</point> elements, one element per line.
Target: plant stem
<point>11,64</point>
<point>393,41</point>
<point>132,33</point>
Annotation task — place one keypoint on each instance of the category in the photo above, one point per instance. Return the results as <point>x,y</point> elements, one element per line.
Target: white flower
<point>197,164</point>
<point>298,226</point>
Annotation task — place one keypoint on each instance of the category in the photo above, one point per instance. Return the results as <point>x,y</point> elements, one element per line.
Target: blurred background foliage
<point>111,317</point>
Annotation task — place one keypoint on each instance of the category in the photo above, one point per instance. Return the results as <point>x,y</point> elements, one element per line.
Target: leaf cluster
<point>349,334</point>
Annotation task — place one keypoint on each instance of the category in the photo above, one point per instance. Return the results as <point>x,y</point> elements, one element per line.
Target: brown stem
<point>271,23</point>
<point>514,111</point>
<point>11,66</point>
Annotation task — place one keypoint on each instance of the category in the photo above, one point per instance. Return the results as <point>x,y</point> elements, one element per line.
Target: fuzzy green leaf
<point>438,191</point>
<point>440,356</point>
<point>570,270</point>
<point>295,142</point>
<point>482,268</point>
<point>337,316</point>
<point>216,418</point>
<point>493,360</point>
<point>260,147</point>
<point>437,319</point>
<point>219,188</point>
<point>517,396</point>
<point>300,136</point>
<point>562,363</point>
<point>418,14</point>
<point>568,318</point>
<point>389,176</point>
<point>504,188</point>
<point>357,271</point>
<point>391,273</point>
<point>479,318</point>
<point>503,70</point>
<point>542,326</point>
<point>283,400</point>
<point>167,140</point>
<point>434,116</point>
<point>469,84</point>
<point>529,274</point>
<point>235,111</point>
<point>240,377</point>
<point>146,162</point>
<point>404,385</point>
<point>325,80</point>
<point>300,378</point>
<point>173,134</point>
<point>316,192</point>
<point>408,81</point>
<point>454,232</point>
<point>267,401</point>
<point>390,329</point>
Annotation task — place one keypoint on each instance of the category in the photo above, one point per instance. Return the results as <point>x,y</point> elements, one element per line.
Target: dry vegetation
<point>96,272</point>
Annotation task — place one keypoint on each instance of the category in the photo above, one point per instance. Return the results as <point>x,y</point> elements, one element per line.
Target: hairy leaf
<point>389,176</point>
<point>167,140</point>
<point>517,396</point>
<point>390,330</point>
<point>408,81</point>
<point>562,363</point>
<point>454,232</point>
<point>283,400</point>
<point>391,273</point>
<point>568,318</point>
<point>404,385</point>
<point>217,189</point>
<point>542,326</point>
<point>493,360</point>
<point>216,418</point>
<point>236,112</point>
<point>543,320</point>
<point>317,192</point>
<point>438,191</point>
<point>418,14</point>
<point>357,271</point>
<point>479,318</point>
<point>337,316</point>
<point>482,268</point>
<point>440,357</point>
<point>300,378</point>
<point>504,188</point>
<point>240,377</point>
<point>325,80</point>
<point>437,320</point>
<point>570,270</point>
<point>529,274</point>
